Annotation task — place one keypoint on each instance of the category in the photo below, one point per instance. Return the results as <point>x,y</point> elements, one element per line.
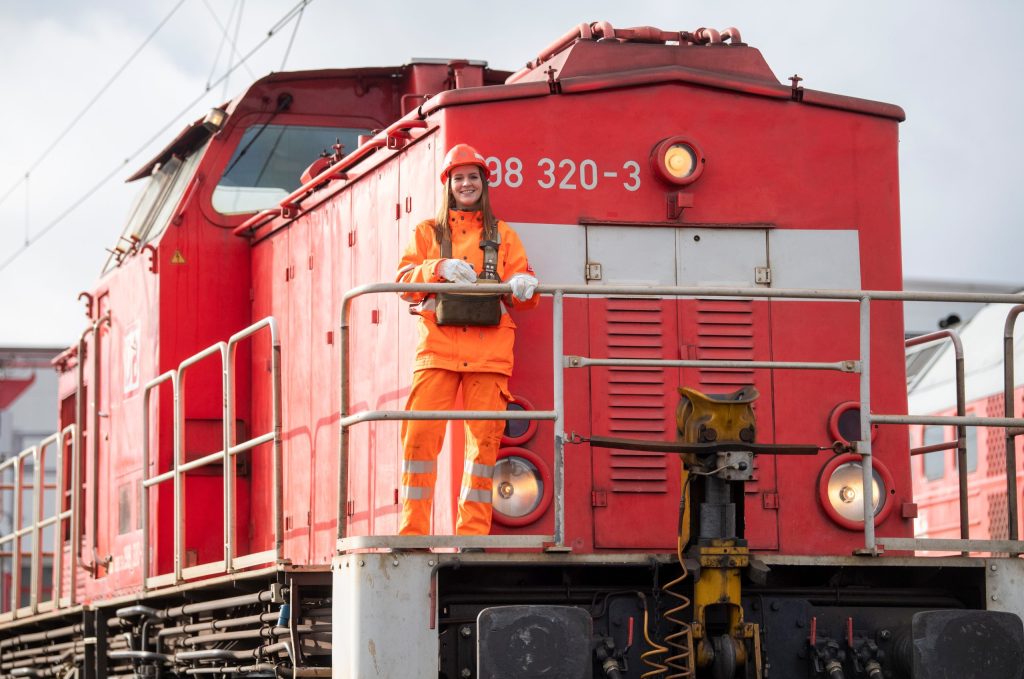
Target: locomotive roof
<point>580,65</point>
<point>593,64</point>
<point>194,135</point>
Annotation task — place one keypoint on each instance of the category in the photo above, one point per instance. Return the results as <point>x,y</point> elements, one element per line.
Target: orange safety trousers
<point>436,389</point>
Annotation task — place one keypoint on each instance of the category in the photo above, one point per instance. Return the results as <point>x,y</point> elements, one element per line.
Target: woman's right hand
<point>456,271</point>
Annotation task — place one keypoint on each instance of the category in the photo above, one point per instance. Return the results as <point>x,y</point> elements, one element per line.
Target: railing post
<point>558,389</point>
<point>343,411</point>
<point>37,511</point>
<point>961,411</point>
<point>1008,411</point>
<point>16,545</point>
<point>864,445</point>
<point>227,440</point>
<point>278,471</point>
<point>179,500</point>
<point>961,438</point>
<point>76,512</point>
<point>58,502</point>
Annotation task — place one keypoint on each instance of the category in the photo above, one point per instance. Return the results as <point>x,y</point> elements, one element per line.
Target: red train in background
<point>715,369</point>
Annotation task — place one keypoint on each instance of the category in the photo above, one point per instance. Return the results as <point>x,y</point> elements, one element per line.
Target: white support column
<point>384,616</point>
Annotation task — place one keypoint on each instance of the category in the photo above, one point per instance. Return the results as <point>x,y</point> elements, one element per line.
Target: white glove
<point>456,271</point>
<point>523,286</point>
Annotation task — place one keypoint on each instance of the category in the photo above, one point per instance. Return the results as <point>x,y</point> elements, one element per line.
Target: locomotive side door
<point>640,402</point>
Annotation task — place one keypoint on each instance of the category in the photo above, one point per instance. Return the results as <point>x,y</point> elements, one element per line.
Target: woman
<point>464,242</point>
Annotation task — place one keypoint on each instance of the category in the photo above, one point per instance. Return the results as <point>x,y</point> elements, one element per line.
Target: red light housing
<point>677,161</point>
<point>518,432</point>
<point>840,490</point>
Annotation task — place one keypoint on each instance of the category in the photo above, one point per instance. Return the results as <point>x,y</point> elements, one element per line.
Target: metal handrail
<point>225,456</point>
<point>272,436</point>
<point>560,362</point>
<point>56,520</point>
<point>961,429</point>
<point>147,481</point>
<point>14,537</point>
<point>39,522</point>
<point>179,446</point>
<point>1008,410</point>
<point>347,420</point>
<point>82,410</point>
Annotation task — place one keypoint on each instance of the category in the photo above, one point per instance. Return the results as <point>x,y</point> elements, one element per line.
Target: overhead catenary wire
<point>96,97</point>
<point>281,23</point>
<point>291,40</point>
<point>224,37</point>
<point>238,29</point>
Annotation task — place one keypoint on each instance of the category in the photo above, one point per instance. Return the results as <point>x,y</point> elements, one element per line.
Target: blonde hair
<point>441,226</point>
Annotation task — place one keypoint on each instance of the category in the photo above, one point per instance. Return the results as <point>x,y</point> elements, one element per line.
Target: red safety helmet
<point>463,154</point>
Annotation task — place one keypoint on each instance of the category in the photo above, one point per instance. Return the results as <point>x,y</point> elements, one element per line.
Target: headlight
<point>522,488</point>
<point>846,490</point>
<point>841,491</point>
<point>677,160</point>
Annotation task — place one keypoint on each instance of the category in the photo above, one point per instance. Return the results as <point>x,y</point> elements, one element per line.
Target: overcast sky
<point>950,64</point>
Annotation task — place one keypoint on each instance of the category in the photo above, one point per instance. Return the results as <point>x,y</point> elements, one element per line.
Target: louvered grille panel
<point>637,398</point>
<point>725,331</point>
<point>638,472</point>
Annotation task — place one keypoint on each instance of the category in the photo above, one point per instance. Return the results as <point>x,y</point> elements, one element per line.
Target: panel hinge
<point>593,272</point>
<point>762,275</point>
<point>599,498</point>
<point>770,500</point>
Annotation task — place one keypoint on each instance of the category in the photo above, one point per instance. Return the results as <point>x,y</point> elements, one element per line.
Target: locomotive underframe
<point>430,608</point>
<point>425,623</point>
<point>256,623</point>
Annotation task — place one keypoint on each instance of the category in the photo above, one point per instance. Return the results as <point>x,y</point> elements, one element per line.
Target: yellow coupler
<point>719,585</point>
<point>705,419</point>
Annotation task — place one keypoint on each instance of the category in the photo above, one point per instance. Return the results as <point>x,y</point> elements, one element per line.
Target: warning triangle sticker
<point>177,258</point>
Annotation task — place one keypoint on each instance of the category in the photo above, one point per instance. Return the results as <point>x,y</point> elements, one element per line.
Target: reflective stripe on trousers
<point>436,389</point>
<point>474,477</point>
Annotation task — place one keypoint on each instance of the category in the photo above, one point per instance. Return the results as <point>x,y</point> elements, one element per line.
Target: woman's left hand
<point>523,286</point>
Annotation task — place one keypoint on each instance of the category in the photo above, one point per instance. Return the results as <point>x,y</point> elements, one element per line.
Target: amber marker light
<point>677,160</point>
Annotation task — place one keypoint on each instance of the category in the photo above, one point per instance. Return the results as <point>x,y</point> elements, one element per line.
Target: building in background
<point>28,414</point>
<point>28,397</point>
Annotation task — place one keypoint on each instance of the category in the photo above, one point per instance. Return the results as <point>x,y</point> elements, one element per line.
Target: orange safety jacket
<point>463,349</point>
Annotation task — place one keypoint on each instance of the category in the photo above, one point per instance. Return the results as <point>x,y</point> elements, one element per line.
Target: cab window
<point>152,208</point>
<point>267,164</point>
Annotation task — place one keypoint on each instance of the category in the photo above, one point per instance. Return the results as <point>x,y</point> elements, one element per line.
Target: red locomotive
<point>225,489</point>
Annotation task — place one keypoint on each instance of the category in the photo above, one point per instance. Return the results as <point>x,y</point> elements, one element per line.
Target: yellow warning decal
<point>177,258</point>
